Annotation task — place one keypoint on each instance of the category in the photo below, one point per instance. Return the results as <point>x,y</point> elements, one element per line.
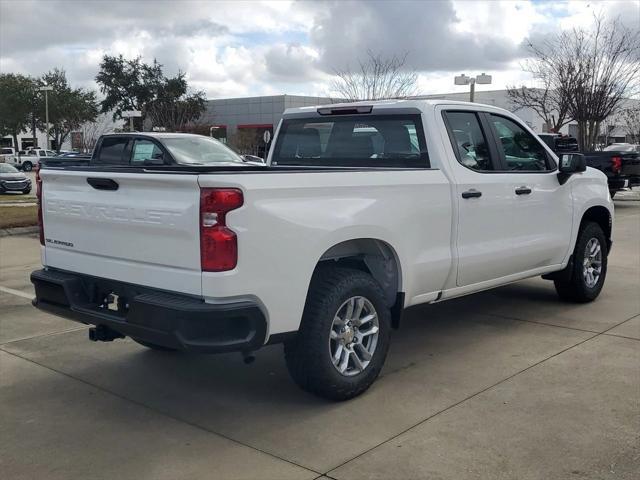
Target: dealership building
<point>242,122</point>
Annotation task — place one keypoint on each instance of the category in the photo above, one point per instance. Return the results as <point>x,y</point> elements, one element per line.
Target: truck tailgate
<point>145,231</point>
<point>631,165</point>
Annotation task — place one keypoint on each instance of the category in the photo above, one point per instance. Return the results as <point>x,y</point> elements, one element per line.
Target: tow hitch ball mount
<point>102,333</point>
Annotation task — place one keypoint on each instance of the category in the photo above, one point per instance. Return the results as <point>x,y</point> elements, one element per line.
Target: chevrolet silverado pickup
<point>361,211</point>
<point>620,162</point>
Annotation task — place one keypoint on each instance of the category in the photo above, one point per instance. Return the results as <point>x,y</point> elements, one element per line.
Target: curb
<point>9,232</point>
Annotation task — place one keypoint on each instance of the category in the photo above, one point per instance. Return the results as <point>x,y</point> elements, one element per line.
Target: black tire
<point>27,166</point>
<point>575,287</point>
<point>27,191</point>
<point>153,346</point>
<point>308,356</point>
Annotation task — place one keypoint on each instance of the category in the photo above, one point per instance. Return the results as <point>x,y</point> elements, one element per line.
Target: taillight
<point>218,243</point>
<point>39,201</point>
<point>616,164</point>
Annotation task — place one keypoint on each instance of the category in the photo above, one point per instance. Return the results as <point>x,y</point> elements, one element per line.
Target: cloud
<point>248,48</point>
<point>292,62</point>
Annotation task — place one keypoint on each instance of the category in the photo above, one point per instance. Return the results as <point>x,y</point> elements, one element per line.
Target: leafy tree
<point>16,99</point>
<point>69,108</point>
<point>135,85</point>
<point>174,107</point>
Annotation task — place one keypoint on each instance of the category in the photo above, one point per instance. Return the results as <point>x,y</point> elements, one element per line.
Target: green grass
<point>17,198</point>
<point>17,216</point>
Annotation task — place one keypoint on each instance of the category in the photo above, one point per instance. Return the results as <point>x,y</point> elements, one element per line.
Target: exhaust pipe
<point>102,333</point>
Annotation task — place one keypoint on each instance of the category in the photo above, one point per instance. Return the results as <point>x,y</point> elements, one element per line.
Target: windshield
<point>352,141</point>
<point>4,168</point>
<point>200,150</point>
<point>619,148</point>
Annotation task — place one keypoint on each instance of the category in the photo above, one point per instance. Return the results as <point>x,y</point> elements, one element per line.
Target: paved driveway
<point>508,384</point>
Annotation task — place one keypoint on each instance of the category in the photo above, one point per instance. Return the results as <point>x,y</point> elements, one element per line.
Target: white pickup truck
<point>361,211</point>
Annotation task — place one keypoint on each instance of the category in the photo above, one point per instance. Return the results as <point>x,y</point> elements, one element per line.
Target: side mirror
<point>570,163</point>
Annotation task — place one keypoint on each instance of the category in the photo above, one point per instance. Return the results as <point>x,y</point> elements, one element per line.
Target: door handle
<point>523,190</point>
<point>472,193</point>
<point>102,183</point>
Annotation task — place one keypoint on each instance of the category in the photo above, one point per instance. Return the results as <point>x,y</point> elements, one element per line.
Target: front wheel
<point>27,166</point>
<point>586,278</point>
<point>27,191</point>
<point>344,335</point>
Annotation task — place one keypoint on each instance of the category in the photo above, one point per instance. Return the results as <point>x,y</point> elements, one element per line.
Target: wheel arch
<point>602,216</point>
<point>377,258</point>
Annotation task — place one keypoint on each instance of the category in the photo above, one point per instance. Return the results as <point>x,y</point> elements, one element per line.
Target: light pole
<point>482,79</point>
<point>46,89</point>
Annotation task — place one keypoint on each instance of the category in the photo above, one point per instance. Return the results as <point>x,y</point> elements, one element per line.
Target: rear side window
<point>469,141</point>
<point>112,151</point>
<point>352,141</point>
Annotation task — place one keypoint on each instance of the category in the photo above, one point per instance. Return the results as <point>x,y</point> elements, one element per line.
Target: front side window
<point>146,150</point>
<point>522,151</point>
<point>352,141</point>
<point>468,140</point>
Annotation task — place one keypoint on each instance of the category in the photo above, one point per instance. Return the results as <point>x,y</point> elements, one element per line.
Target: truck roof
<point>395,103</point>
<point>152,134</point>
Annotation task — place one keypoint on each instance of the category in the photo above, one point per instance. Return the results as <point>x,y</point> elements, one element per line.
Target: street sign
<point>132,113</point>
<point>266,136</point>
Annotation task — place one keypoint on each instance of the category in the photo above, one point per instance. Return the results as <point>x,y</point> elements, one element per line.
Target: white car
<point>27,161</point>
<point>362,210</point>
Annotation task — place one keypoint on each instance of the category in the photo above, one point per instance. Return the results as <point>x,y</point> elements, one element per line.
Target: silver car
<point>12,180</point>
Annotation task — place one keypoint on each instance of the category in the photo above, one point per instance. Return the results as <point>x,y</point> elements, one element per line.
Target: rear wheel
<point>589,267</point>
<point>344,335</point>
<point>153,346</point>
<point>27,166</point>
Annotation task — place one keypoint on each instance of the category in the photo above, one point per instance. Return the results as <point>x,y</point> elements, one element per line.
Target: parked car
<point>27,161</point>
<point>620,162</point>
<point>12,180</point>
<point>363,209</point>
<point>6,153</point>
<point>560,143</point>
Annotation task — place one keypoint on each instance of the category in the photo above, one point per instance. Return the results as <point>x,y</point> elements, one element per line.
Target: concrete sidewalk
<point>509,384</point>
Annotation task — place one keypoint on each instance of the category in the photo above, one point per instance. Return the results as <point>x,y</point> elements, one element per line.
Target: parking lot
<point>510,383</point>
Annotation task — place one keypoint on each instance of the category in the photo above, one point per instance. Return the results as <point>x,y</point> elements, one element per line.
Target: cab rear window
<point>352,141</point>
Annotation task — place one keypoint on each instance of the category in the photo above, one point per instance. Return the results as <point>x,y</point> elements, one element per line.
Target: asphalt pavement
<point>505,384</point>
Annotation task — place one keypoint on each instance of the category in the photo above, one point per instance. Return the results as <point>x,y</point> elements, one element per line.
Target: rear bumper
<point>620,182</point>
<point>167,319</point>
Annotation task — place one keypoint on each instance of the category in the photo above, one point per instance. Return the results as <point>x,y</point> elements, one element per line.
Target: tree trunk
<point>15,141</point>
<point>582,135</point>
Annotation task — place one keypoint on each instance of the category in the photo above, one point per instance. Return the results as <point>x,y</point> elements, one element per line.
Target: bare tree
<point>376,78</point>
<point>631,121</point>
<point>593,70</point>
<point>89,132</point>
<point>552,107</point>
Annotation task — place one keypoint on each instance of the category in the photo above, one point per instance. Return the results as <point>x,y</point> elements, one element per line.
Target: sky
<point>249,48</point>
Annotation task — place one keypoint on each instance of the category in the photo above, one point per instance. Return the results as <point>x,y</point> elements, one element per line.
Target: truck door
<point>483,240</point>
<point>541,212</point>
